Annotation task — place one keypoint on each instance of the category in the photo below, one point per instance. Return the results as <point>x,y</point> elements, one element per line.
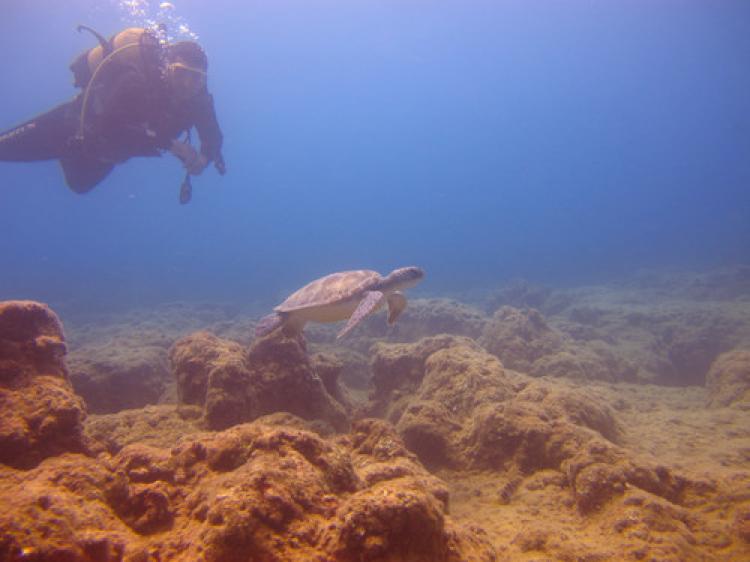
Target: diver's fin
<point>396,305</point>
<point>186,190</point>
<point>369,304</point>
<point>83,174</point>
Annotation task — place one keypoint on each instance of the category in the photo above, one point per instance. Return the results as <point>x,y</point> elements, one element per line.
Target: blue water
<point>559,141</point>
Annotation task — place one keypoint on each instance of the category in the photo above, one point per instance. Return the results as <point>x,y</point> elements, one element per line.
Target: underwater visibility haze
<point>560,142</point>
<point>474,287</point>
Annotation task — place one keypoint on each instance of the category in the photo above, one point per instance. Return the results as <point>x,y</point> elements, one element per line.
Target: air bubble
<point>155,16</point>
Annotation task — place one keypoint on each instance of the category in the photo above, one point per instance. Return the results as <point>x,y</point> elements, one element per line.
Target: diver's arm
<point>194,161</point>
<point>204,115</point>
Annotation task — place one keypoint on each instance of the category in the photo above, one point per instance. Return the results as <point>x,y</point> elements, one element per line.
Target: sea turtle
<point>338,296</point>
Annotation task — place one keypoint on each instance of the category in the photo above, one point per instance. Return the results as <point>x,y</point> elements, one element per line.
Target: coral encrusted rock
<point>520,337</point>
<point>40,415</point>
<point>234,386</point>
<point>463,411</point>
<point>252,493</point>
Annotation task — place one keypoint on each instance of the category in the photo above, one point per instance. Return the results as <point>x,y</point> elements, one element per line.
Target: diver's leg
<point>46,137</point>
<point>83,174</point>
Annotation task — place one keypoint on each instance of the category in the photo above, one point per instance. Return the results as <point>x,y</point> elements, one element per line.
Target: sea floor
<point>662,425</point>
<point>609,422</point>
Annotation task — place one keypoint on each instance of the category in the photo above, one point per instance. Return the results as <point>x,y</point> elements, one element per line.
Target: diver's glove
<point>193,160</point>
<point>219,164</point>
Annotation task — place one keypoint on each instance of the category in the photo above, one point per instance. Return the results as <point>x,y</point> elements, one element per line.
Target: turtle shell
<point>331,289</point>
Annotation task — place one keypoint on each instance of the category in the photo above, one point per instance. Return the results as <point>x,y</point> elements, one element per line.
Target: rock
<point>40,415</point>
<point>31,343</point>
<point>467,413</point>
<point>285,419</point>
<point>154,425</point>
<point>693,344</point>
<point>593,360</point>
<point>59,511</point>
<point>355,366</point>
<point>573,405</point>
<point>517,439</point>
<point>596,484</point>
<point>417,504</point>
<point>726,283</point>
<point>455,380</point>
<point>283,379</point>
<point>524,341</point>
<point>742,524</point>
<point>233,386</point>
<point>422,318</point>
<point>117,377</point>
<point>195,357</point>
<point>665,334</point>
<point>455,407</point>
<point>522,294</point>
<point>728,380</point>
<point>398,370</point>
<point>408,524</point>
<point>329,368</point>
<point>519,337</point>
<point>431,317</point>
<point>280,493</point>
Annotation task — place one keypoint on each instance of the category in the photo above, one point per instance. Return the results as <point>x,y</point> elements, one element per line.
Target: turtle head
<point>404,277</point>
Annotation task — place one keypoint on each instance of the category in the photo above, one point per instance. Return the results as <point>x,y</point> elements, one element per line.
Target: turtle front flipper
<point>371,302</point>
<point>396,305</point>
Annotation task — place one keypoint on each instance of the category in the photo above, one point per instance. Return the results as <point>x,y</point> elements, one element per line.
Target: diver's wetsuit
<point>129,115</point>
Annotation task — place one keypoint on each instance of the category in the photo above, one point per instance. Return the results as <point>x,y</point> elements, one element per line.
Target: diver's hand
<point>219,164</point>
<point>193,160</point>
<point>196,166</point>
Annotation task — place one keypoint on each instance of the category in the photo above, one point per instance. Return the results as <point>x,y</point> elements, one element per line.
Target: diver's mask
<point>186,81</point>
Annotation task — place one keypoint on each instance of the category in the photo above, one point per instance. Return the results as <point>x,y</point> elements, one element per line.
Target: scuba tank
<point>134,46</point>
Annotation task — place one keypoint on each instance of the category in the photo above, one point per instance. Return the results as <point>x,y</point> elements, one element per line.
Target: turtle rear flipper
<point>268,324</point>
<point>369,304</point>
<point>396,305</point>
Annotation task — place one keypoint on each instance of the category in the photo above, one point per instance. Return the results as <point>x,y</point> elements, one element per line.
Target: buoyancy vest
<point>133,47</point>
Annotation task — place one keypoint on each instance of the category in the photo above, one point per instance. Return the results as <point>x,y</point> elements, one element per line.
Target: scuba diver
<point>139,96</point>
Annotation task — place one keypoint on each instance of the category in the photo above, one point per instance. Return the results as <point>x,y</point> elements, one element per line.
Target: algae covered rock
<point>398,369</point>
<point>467,413</point>
<point>234,385</point>
<point>31,342</point>
<point>525,341</point>
<point>253,492</point>
<point>40,415</point>
<point>195,357</point>
<point>111,378</point>
<point>728,380</point>
<point>431,317</point>
<point>519,337</point>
